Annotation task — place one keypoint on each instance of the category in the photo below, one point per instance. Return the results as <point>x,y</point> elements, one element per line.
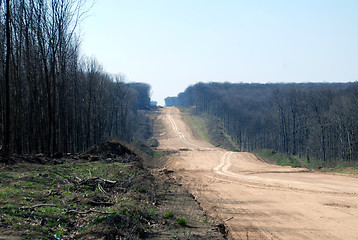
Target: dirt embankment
<point>257,200</point>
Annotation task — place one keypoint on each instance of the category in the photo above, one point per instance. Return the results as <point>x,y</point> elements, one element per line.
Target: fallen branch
<point>102,190</point>
<point>108,181</point>
<point>228,219</point>
<point>94,203</point>
<point>37,206</point>
<point>87,212</point>
<point>82,182</point>
<point>67,211</point>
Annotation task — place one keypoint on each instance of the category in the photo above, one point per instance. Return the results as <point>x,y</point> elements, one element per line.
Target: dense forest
<point>51,98</point>
<point>312,120</point>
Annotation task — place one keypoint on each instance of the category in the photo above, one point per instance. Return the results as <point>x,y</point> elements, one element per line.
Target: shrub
<point>181,221</point>
<point>169,215</point>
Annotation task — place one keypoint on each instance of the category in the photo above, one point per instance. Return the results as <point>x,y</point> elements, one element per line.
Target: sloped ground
<point>102,194</point>
<point>254,199</point>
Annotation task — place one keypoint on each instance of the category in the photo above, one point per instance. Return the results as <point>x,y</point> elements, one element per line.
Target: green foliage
<point>181,221</point>
<point>289,163</point>
<point>295,161</point>
<point>59,233</point>
<point>169,215</point>
<point>198,126</point>
<point>30,185</point>
<point>152,211</point>
<point>158,154</point>
<point>98,219</point>
<point>346,168</point>
<point>279,158</point>
<point>209,128</point>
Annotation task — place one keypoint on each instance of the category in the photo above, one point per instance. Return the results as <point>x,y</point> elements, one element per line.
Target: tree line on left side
<point>51,99</point>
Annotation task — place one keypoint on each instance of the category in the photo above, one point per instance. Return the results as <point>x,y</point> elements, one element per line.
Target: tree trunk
<point>7,82</point>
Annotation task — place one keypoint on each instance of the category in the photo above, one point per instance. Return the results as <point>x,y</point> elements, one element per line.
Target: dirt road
<point>259,200</point>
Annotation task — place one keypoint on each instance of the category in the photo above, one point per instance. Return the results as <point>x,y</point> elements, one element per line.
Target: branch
<point>86,212</point>
<point>228,219</point>
<point>102,190</point>
<point>38,205</point>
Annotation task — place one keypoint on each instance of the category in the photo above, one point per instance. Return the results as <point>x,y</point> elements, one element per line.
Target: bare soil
<point>254,199</point>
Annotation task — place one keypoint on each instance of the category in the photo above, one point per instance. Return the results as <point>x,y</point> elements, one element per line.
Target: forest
<point>315,121</point>
<point>53,99</point>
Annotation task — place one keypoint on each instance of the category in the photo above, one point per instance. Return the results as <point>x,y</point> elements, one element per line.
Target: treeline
<point>51,100</point>
<point>313,120</point>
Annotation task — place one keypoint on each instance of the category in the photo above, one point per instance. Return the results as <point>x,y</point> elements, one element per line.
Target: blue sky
<point>172,44</point>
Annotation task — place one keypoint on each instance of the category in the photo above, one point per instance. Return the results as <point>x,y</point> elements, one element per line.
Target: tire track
<point>181,135</point>
<point>226,163</point>
<point>265,201</point>
<point>209,196</point>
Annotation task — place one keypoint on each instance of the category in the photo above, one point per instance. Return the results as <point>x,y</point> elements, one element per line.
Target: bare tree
<point>7,82</point>
<point>50,100</point>
<point>313,120</point>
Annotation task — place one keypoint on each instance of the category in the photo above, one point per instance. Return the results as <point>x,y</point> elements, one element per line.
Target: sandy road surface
<point>263,201</point>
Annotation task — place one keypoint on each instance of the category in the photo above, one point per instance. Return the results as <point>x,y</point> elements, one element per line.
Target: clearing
<point>105,193</point>
<point>257,200</point>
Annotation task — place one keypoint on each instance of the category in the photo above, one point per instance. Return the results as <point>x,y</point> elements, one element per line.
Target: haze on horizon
<point>173,44</point>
